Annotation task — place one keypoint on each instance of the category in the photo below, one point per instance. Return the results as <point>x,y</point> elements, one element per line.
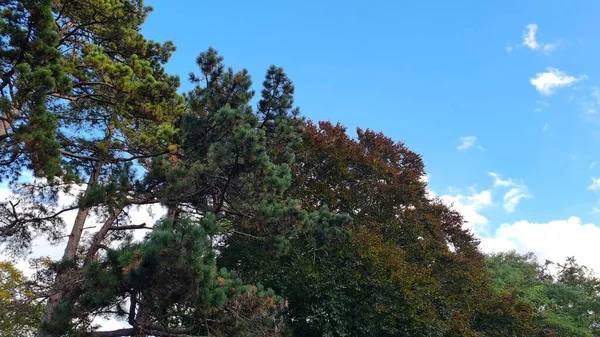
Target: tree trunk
<point>99,237</point>
<point>58,294</point>
<point>5,124</point>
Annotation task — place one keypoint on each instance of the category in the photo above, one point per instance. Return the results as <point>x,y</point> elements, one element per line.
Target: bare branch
<point>99,237</point>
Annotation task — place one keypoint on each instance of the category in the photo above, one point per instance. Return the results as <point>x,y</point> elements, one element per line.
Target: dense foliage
<point>564,295</point>
<point>274,226</point>
<point>20,312</point>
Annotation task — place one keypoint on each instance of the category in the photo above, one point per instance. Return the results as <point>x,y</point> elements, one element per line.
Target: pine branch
<point>161,332</point>
<point>72,98</point>
<point>14,156</point>
<point>120,228</point>
<point>99,237</point>
<point>248,235</point>
<point>114,333</point>
<point>113,160</point>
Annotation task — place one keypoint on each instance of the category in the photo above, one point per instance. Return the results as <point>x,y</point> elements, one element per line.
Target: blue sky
<point>514,82</point>
<point>428,73</point>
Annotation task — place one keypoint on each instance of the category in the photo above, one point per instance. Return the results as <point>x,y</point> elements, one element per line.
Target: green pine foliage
<point>172,275</point>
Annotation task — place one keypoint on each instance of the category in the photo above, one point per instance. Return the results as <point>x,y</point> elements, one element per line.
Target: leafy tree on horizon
<point>20,311</point>
<point>566,300</point>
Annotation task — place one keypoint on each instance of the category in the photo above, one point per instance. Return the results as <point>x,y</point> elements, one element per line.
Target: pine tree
<point>225,181</point>
<point>84,99</point>
<point>30,72</point>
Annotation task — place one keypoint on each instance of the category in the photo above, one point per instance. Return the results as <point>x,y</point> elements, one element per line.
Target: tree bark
<point>58,294</point>
<point>99,237</point>
<point>5,124</point>
<point>82,214</point>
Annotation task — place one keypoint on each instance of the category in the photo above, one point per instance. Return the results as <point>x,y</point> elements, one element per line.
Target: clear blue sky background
<point>428,73</point>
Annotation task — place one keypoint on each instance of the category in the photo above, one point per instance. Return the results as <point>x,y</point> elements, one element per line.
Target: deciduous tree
<point>406,266</point>
<point>20,311</point>
<point>566,299</point>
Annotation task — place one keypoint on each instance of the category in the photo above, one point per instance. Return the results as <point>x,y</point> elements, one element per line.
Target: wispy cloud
<point>468,142</point>
<point>547,82</point>
<point>595,184</point>
<point>561,239</point>
<point>517,192</point>
<point>549,47</point>
<point>596,94</point>
<point>541,105</point>
<point>513,197</point>
<point>590,105</point>
<point>593,165</point>
<point>530,40</point>
<point>545,128</point>
<point>472,203</point>
<point>498,182</point>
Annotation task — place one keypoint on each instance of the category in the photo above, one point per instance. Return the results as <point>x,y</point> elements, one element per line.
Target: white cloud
<point>429,193</point>
<point>595,184</point>
<point>513,197</point>
<point>593,165</point>
<point>547,82</point>
<point>509,49</point>
<point>498,182</point>
<point>553,240</point>
<point>517,192</point>
<point>561,239</point>
<point>469,206</point>
<point>545,128</point>
<point>468,142</point>
<point>530,40</point>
